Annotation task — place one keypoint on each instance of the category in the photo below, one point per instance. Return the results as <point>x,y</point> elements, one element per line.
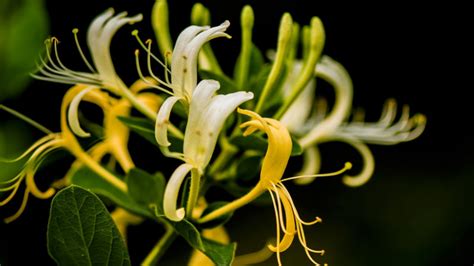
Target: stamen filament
<point>75,31</point>
<point>26,119</point>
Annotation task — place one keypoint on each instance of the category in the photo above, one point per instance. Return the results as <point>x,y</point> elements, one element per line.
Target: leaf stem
<point>159,249</point>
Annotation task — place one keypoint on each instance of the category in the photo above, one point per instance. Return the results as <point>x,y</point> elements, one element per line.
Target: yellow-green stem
<point>194,189</point>
<point>159,249</point>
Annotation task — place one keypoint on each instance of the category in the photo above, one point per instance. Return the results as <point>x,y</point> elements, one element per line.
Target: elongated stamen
<point>26,119</point>
<point>277,222</point>
<point>33,147</point>
<point>142,77</point>
<point>347,166</point>
<point>147,48</point>
<point>78,45</point>
<point>21,209</point>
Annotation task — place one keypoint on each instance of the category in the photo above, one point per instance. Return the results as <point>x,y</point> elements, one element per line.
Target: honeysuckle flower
<point>319,128</point>
<point>274,164</point>
<point>207,114</point>
<point>184,72</point>
<point>103,76</point>
<point>40,149</point>
<point>99,37</point>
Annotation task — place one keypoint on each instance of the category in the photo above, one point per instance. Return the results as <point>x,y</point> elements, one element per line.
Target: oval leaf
<point>81,231</point>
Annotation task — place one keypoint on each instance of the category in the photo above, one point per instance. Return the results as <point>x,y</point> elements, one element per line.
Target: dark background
<point>416,210</point>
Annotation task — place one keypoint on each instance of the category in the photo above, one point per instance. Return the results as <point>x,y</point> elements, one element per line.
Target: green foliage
<point>86,178</point>
<point>220,254</point>
<point>81,231</point>
<point>145,189</point>
<point>146,129</point>
<point>23,28</point>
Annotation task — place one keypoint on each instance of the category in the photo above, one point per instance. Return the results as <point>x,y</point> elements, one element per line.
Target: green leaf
<point>227,84</point>
<point>146,129</point>
<point>23,28</point>
<point>142,126</point>
<point>145,189</point>
<point>218,221</point>
<point>81,231</point>
<point>248,167</point>
<point>220,254</point>
<point>250,142</point>
<point>86,178</point>
<point>296,149</point>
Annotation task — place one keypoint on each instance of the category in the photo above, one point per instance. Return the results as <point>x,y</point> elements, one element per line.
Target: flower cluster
<point>205,125</point>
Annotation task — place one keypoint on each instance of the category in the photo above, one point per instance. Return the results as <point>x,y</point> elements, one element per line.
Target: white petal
<point>207,115</point>
<point>178,62</point>
<point>72,114</point>
<point>172,191</point>
<point>335,74</point>
<point>162,121</point>
<point>295,117</point>
<point>184,62</point>
<point>99,38</point>
<point>192,51</point>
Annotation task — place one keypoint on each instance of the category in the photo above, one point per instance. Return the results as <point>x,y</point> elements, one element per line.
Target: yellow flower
<point>40,149</point>
<point>288,220</point>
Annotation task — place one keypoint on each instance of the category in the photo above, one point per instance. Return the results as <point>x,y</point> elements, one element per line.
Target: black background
<point>417,209</point>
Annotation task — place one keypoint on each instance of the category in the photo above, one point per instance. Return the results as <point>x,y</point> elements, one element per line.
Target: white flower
<point>185,54</point>
<point>99,37</point>
<point>207,114</point>
<point>321,127</point>
<point>184,72</point>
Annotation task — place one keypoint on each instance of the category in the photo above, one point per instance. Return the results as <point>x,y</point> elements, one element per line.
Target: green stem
<point>228,151</point>
<point>193,191</point>
<point>160,248</point>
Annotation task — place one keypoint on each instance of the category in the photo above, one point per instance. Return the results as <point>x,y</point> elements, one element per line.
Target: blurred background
<point>417,208</point>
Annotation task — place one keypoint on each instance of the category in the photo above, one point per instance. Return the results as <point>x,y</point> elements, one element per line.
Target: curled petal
<point>162,121</point>
<point>172,191</point>
<point>335,74</point>
<point>185,53</point>
<point>369,164</point>
<point>72,115</point>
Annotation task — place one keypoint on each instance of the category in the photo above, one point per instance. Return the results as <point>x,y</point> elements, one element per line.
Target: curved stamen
<point>21,209</point>
<point>78,45</point>
<point>347,166</point>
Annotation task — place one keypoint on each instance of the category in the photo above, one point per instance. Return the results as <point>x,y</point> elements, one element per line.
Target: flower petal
<point>72,114</point>
<point>334,73</point>
<point>162,121</point>
<point>172,191</point>
<point>207,114</point>
<point>184,62</point>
